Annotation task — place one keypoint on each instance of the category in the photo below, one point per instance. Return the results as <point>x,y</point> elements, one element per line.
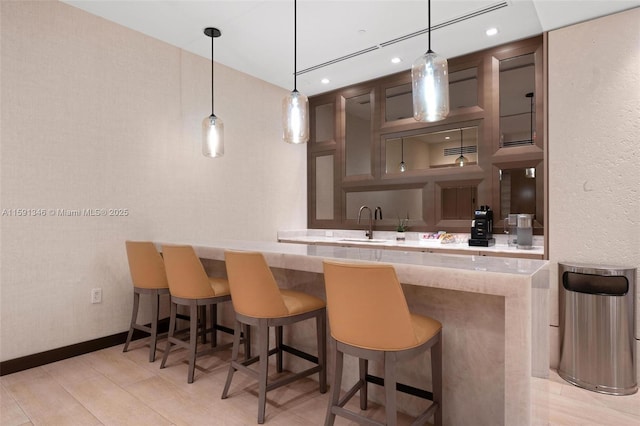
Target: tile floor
<point>109,387</point>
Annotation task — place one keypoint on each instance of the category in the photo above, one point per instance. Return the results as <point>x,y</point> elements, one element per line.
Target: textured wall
<point>594,146</point>
<point>98,116</point>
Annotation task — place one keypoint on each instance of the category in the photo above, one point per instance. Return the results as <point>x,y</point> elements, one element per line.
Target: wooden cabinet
<point>362,133</point>
<point>459,202</point>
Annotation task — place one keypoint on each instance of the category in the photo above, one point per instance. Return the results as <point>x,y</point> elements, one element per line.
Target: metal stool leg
<point>263,353</point>
<point>134,318</point>
<point>338,359</point>
<point>155,302</point>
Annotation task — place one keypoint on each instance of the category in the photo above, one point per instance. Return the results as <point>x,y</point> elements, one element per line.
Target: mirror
<point>463,92</point>
<point>398,102</point>
<point>358,112</point>
<point>395,204</point>
<point>521,192</point>
<point>431,150</point>
<point>517,101</point>
<point>324,187</point>
<point>324,119</point>
<point>463,88</point>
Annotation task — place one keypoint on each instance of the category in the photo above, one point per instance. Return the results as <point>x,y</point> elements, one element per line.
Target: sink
<point>363,240</point>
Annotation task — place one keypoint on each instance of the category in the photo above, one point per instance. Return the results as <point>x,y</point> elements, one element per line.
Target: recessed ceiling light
<point>491,31</point>
<point>447,137</point>
<point>396,60</point>
<point>325,81</point>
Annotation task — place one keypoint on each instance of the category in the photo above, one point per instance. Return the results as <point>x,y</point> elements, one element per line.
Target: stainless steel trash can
<point>597,341</point>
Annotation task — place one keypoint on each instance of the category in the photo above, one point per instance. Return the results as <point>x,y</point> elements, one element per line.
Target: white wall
<point>594,148</point>
<point>98,116</point>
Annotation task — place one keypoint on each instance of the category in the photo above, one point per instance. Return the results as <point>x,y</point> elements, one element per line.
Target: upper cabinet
<point>517,101</point>
<point>366,148</point>
<point>358,133</point>
<point>423,150</point>
<point>324,122</point>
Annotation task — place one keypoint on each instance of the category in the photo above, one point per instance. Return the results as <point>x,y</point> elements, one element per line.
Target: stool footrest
<point>351,393</point>
<point>299,353</point>
<point>422,418</point>
<point>243,366</point>
<point>288,379</point>
<point>224,329</point>
<point>343,412</point>
<point>400,387</point>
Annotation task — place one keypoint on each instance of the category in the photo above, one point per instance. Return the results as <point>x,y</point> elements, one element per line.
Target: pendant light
<point>212,126</point>
<point>462,160</point>
<point>403,166</point>
<point>530,96</point>
<point>295,107</point>
<point>430,79</point>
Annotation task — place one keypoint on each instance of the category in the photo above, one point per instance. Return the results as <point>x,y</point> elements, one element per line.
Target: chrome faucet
<point>370,233</point>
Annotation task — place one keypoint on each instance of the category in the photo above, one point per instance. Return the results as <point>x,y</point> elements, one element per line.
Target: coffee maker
<point>482,228</point>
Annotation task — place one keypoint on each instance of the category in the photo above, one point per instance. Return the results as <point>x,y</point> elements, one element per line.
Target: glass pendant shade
<point>212,137</point>
<point>430,78</point>
<point>403,166</point>
<point>295,117</point>
<point>461,161</point>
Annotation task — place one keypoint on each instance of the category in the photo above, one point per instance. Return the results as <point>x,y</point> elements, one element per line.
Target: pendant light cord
<point>429,21</point>
<point>212,37</point>
<point>295,45</point>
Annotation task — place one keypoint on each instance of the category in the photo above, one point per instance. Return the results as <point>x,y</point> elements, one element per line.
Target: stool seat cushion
<point>299,303</point>
<point>220,286</point>
<point>425,327</point>
<point>146,265</point>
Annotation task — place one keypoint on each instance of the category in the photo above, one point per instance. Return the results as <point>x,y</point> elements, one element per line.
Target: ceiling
<point>257,35</point>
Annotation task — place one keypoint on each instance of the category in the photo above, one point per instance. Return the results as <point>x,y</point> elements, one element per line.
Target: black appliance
<point>482,228</point>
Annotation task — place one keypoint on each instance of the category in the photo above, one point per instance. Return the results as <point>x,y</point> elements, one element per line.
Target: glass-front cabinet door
<point>430,150</point>
<point>517,101</point>
<point>358,121</point>
<point>398,96</point>
<point>323,123</point>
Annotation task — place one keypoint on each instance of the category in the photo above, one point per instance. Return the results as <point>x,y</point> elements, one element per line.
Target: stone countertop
<point>413,267</point>
<point>386,239</point>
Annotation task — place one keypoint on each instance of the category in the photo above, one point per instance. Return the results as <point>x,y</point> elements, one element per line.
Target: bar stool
<point>369,319</point>
<point>148,277</point>
<point>190,286</point>
<point>259,302</point>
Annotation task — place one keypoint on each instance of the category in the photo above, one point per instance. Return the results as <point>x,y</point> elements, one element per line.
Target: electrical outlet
<point>96,295</point>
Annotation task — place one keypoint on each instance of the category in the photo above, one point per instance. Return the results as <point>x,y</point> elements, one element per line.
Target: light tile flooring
<point>109,387</point>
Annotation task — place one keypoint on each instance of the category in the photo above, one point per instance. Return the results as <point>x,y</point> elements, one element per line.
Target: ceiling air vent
<point>491,8</point>
<point>510,144</point>
<point>471,149</point>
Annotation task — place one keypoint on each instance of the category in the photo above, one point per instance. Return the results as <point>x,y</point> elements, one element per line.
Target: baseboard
<point>58,354</point>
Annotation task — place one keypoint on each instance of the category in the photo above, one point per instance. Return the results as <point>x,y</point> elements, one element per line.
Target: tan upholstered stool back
<point>366,306</point>
<point>185,273</point>
<point>254,291</point>
<point>146,265</point>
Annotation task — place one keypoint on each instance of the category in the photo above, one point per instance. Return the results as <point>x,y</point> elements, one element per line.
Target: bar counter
<point>493,312</point>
